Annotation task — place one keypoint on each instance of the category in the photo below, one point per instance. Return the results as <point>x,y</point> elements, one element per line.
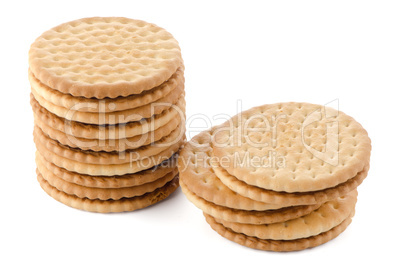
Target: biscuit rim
<point>289,198</point>
<point>108,206</point>
<point>327,216</point>
<point>246,217</point>
<point>87,131</point>
<point>91,157</point>
<point>193,181</point>
<point>113,145</point>
<point>38,61</point>
<point>293,180</point>
<point>118,181</point>
<point>103,193</point>
<point>109,104</point>
<point>110,169</point>
<point>278,245</point>
<point>112,118</point>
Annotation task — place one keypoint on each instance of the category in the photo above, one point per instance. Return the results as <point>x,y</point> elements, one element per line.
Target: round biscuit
<point>104,57</point>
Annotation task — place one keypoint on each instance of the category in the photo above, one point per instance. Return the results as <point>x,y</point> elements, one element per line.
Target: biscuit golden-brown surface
<point>135,165</point>
<point>108,99</point>
<point>118,181</point>
<point>244,216</point>
<point>110,144</point>
<point>105,206</point>
<point>318,147</point>
<point>101,118</point>
<point>278,245</point>
<point>100,132</point>
<point>104,57</point>
<point>197,174</point>
<point>303,160</point>
<point>103,193</point>
<point>326,217</point>
<point>292,198</point>
<point>101,157</point>
<point>107,104</point>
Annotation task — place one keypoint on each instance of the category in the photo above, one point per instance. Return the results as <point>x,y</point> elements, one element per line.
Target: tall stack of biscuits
<point>278,177</point>
<point>108,103</point>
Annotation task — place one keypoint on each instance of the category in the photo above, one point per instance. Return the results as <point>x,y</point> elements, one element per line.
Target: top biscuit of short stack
<point>292,147</point>
<point>104,57</point>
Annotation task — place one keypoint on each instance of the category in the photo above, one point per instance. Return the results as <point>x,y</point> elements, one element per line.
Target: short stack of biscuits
<point>279,177</point>
<point>109,110</point>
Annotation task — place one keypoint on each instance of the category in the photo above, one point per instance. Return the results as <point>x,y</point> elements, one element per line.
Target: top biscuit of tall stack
<point>104,57</point>
<point>292,147</point>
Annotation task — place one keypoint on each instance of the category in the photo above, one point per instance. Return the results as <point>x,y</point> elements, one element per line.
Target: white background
<point>256,52</point>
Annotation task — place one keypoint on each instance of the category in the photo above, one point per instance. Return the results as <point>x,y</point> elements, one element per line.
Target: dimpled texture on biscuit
<point>319,146</point>
<point>289,198</point>
<point>108,104</point>
<point>197,174</point>
<point>104,57</point>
